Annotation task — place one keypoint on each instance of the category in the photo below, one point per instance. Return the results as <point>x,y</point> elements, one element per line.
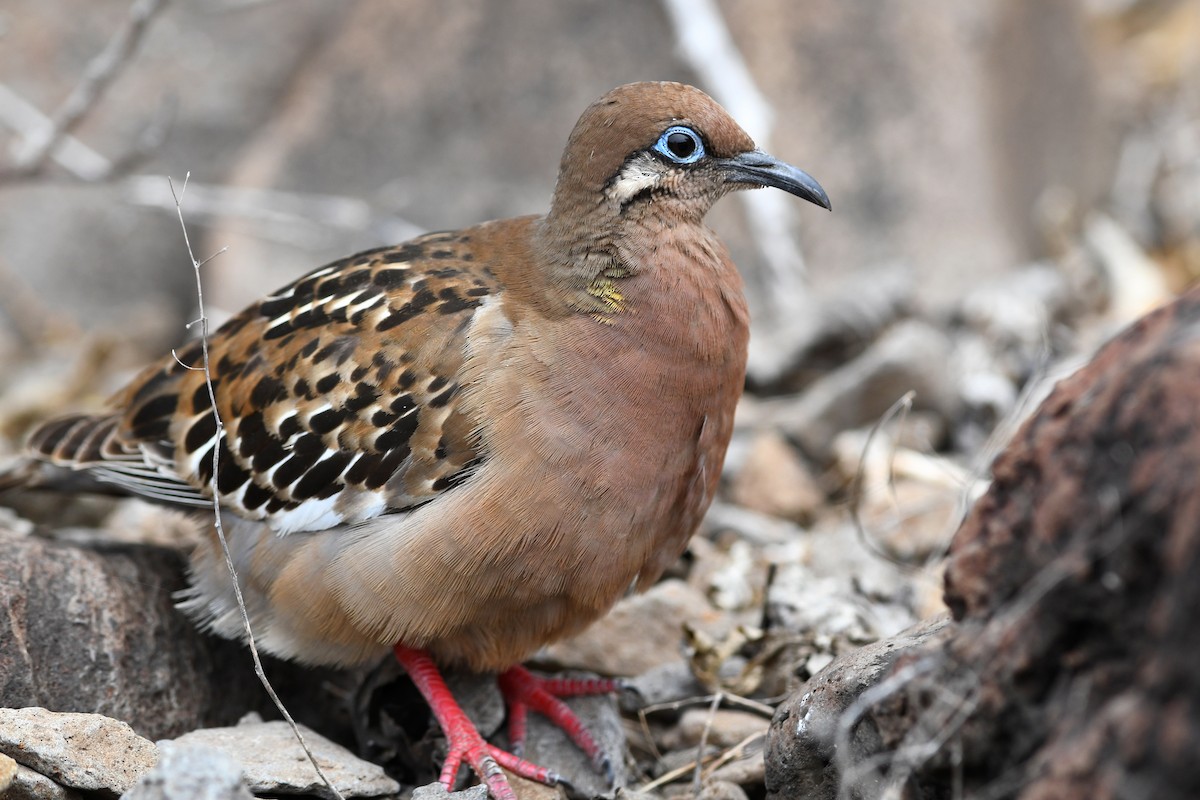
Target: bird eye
<point>681,145</point>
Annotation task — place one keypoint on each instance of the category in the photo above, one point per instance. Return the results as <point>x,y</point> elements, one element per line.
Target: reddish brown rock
<point>1075,580</point>
<point>1071,672</point>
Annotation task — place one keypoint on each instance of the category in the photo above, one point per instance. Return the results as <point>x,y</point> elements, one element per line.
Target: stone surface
<point>435,791</point>
<point>642,632</point>
<point>664,684</point>
<point>191,773</point>
<point>82,751</point>
<point>747,771</point>
<point>721,790</point>
<point>272,760</point>
<point>811,740</point>
<point>93,628</point>
<point>726,727</point>
<point>773,480</point>
<point>532,790</point>
<point>8,770</point>
<point>30,785</point>
<point>842,590</point>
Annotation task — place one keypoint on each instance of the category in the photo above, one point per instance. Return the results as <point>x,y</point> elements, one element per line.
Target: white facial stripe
<point>637,176</point>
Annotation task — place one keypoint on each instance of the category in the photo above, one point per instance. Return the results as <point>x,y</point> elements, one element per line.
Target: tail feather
<point>80,440</point>
<point>93,449</point>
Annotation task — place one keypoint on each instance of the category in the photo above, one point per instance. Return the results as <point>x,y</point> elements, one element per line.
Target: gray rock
<point>191,772</point>
<point>29,785</point>
<point>663,684</point>
<point>810,741</point>
<point>721,790</point>
<point>82,751</point>
<point>273,761</point>
<point>911,356</point>
<point>478,695</point>
<point>748,771</point>
<point>93,628</point>
<point>548,745</point>
<point>642,632</point>
<point>725,728</point>
<point>435,791</point>
<point>774,480</point>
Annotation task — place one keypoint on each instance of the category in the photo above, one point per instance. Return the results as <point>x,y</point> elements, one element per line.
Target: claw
<point>523,690</point>
<point>463,740</point>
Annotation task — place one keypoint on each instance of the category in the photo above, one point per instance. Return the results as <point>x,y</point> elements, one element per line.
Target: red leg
<point>463,739</point>
<point>523,690</point>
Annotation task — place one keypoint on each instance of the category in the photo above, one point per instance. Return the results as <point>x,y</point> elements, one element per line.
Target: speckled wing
<point>338,394</point>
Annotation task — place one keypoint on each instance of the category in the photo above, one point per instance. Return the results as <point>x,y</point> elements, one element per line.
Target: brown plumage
<point>475,442</point>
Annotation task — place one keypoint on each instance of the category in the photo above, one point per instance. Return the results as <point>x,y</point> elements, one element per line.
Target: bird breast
<point>627,416</point>
<point>601,445</point>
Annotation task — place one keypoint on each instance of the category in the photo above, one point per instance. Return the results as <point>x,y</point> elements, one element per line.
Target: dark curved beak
<point>756,168</point>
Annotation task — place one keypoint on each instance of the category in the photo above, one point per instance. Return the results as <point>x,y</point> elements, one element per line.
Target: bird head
<point>664,147</point>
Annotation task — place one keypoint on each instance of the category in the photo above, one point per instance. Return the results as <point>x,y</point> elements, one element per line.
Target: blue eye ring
<point>680,144</point>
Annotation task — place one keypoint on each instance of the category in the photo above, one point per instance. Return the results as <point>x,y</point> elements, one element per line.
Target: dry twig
<point>706,44</point>
<point>202,321</point>
<point>31,157</point>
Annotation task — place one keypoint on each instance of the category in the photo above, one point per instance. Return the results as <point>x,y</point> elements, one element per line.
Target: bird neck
<point>592,254</point>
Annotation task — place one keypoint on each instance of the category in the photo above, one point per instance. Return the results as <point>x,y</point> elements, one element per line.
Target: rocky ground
<point>871,608</point>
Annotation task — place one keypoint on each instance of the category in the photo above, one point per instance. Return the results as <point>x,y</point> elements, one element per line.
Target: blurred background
<point>1012,180</point>
<point>961,143</point>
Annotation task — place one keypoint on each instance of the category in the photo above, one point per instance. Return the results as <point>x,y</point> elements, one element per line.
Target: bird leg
<point>464,741</point>
<point>523,690</point>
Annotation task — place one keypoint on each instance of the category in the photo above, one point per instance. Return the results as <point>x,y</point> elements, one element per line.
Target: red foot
<point>523,691</point>
<point>463,739</point>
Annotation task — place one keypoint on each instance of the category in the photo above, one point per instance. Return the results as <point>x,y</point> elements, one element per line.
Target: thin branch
<point>97,78</point>
<point>19,115</point>
<point>735,752</point>
<point>714,762</point>
<point>668,777</point>
<point>705,43</point>
<point>216,498</point>
<point>858,488</point>
<point>703,743</point>
<point>286,216</point>
<point>645,722</point>
<point>732,699</point>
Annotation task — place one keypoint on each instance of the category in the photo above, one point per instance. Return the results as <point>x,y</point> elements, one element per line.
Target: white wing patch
<point>311,515</point>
